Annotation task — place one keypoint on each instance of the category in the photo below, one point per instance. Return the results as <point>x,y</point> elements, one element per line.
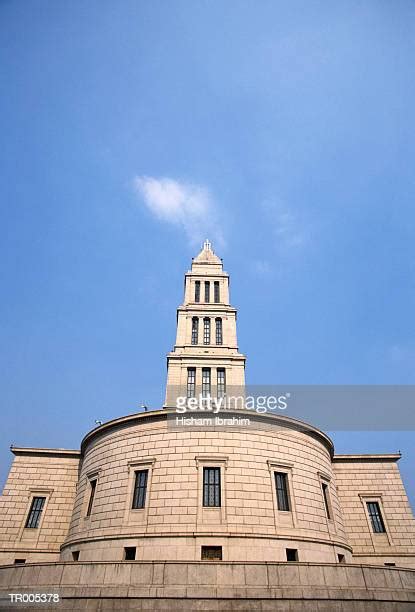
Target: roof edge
<point>30,450</point>
<point>367,457</point>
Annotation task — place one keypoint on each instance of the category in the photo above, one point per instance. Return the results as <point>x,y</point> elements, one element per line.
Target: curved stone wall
<point>174,524</point>
<point>212,587</point>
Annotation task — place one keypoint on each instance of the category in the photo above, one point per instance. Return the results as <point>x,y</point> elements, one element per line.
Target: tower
<point>205,359</point>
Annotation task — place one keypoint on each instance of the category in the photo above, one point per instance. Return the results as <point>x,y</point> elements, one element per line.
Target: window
<point>206,386</point>
<point>292,554</point>
<point>211,553</point>
<point>93,486</point>
<point>191,382</point>
<point>197,291</point>
<point>390,564</point>
<point>207,291</point>
<point>140,488</point>
<point>221,382</point>
<point>211,487</point>
<point>341,558</point>
<point>195,330</point>
<point>219,336</point>
<point>326,496</point>
<point>75,555</point>
<point>35,512</point>
<point>129,553</point>
<point>281,488</point>
<point>376,519</point>
<point>206,331</point>
<point>216,292</point>
<point>21,561</point>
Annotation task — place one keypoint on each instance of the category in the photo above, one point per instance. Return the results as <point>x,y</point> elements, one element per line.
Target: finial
<point>207,246</point>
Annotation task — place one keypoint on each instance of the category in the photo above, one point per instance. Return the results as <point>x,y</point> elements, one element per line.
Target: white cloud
<point>262,267</point>
<point>182,204</point>
<point>288,228</point>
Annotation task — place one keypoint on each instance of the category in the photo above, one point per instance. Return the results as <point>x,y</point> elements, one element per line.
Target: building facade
<point>143,490</point>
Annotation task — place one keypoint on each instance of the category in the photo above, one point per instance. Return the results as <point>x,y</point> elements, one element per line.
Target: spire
<point>207,255</point>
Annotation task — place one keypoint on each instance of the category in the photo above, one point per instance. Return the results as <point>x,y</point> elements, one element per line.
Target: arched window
<point>206,331</point>
<point>219,335</point>
<point>195,330</point>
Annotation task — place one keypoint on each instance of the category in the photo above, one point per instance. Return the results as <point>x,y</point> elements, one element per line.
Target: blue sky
<point>130,130</point>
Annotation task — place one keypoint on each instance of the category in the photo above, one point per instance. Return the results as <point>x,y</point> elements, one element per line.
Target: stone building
<point>152,513</point>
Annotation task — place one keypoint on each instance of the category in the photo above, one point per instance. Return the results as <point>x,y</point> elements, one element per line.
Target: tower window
<point>75,555</point>
<point>22,561</point>
<point>376,519</point>
<point>140,489</point>
<point>326,496</point>
<point>195,330</point>
<point>211,487</point>
<point>281,488</point>
<point>207,291</point>
<point>211,553</point>
<point>191,382</point>
<point>221,382</point>
<point>219,335</point>
<point>206,331</point>
<point>35,512</point>
<point>216,292</point>
<point>341,558</point>
<point>206,383</point>
<point>93,486</point>
<point>197,291</point>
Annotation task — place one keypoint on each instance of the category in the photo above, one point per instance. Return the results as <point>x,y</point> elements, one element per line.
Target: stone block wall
<point>372,478</point>
<point>52,474</point>
<point>174,523</point>
<point>212,587</point>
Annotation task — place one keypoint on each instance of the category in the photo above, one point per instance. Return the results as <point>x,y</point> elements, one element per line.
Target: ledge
<point>47,452</point>
<point>367,458</point>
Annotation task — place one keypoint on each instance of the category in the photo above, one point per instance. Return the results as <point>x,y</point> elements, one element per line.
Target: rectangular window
<point>341,558</point>
<point>292,554</point>
<point>206,331</point>
<point>197,291</point>
<point>211,487</point>
<point>206,384</point>
<point>35,512</point>
<point>195,330</point>
<point>75,555</point>
<point>281,488</point>
<point>21,561</point>
<point>207,292</point>
<point>219,336</point>
<point>376,519</point>
<point>140,489</point>
<point>211,553</point>
<point>129,553</point>
<point>93,486</point>
<point>326,496</point>
<point>191,382</point>
<point>221,382</point>
<point>216,292</point>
